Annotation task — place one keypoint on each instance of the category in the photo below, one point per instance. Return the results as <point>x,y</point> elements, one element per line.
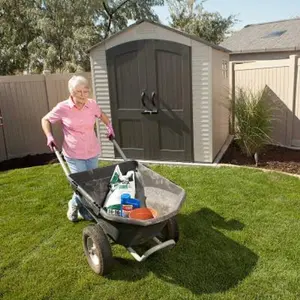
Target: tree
<point>17,30</point>
<point>55,34</point>
<point>65,30</point>
<point>189,16</point>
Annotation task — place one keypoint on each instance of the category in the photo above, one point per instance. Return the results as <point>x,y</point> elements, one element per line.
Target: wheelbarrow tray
<point>152,189</point>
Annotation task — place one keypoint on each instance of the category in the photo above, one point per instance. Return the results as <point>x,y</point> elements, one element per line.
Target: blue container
<point>127,200</point>
<point>125,197</point>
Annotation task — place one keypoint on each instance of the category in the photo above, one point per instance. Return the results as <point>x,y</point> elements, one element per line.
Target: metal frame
<point>160,245</point>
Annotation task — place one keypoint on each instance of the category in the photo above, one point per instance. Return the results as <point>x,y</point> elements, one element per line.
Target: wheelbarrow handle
<point>61,161</point>
<point>120,151</point>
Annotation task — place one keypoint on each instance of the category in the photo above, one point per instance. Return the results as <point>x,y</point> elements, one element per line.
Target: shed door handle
<point>148,111</point>
<point>152,98</point>
<point>155,111</point>
<point>142,98</point>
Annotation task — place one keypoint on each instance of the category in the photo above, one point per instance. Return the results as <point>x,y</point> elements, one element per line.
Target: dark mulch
<point>28,161</point>
<point>273,157</point>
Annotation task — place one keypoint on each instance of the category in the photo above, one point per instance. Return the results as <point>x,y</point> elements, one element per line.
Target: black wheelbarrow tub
<point>152,189</point>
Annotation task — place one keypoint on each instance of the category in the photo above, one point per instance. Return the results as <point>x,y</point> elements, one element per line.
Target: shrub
<point>253,117</point>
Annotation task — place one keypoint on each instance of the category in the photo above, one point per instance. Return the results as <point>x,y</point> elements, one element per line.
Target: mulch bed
<point>28,161</point>
<point>273,157</point>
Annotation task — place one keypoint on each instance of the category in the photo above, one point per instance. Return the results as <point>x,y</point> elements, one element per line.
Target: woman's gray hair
<point>75,81</point>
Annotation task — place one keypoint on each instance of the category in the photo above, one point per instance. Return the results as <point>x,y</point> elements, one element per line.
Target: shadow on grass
<point>204,260</point>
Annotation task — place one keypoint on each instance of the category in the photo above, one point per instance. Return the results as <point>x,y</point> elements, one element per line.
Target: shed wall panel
<point>101,91</point>
<point>220,99</point>
<point>201,88</point>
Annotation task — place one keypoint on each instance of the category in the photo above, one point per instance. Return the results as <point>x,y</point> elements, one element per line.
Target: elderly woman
<point>80,148</point>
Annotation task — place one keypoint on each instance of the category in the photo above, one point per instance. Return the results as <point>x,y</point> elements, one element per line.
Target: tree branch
<point>106,9</point>
<point>111,14</point>
<point>120,5</point>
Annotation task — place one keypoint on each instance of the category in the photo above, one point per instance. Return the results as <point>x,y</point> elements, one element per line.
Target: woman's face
<point>81,93</point>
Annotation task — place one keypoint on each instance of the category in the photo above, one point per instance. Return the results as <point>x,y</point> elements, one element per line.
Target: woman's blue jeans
<point>80,165</point>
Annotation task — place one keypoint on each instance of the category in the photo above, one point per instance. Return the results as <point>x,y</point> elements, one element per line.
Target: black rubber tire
<point>170,231</point>
<point>99,254</point>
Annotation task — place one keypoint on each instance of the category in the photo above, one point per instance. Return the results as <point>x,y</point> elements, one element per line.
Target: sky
<point>248,12</point>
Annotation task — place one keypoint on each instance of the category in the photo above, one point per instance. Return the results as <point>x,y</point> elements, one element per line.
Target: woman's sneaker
<point>83,214</point>
<point>72,213</point>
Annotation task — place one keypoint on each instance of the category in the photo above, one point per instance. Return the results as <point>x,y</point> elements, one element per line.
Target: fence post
<point>291,98</point>
<point>232,96</point>
<point>45,73</point>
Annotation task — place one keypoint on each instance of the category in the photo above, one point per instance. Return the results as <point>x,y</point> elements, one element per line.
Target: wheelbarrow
<point>152,189</point>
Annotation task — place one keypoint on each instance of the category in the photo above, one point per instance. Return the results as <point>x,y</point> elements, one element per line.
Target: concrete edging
<point>259,169</point>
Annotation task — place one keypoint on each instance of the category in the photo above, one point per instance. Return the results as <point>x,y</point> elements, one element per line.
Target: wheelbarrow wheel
<point>97,249</point>
<point>170,231</point>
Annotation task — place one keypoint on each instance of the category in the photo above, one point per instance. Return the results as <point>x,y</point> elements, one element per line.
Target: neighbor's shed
<point>165,91</point>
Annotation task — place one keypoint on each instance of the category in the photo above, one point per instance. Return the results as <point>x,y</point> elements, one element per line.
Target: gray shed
<point>165,91</point>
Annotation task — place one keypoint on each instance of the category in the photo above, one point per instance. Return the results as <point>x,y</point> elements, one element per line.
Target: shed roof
<point>193,37</point>
<point>281,35</point>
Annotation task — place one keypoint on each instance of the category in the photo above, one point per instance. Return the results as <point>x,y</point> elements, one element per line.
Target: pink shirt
<point>80,140</point>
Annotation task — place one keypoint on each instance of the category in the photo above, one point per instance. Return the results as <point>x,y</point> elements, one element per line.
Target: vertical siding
<point>298,86</point>
<point>275,76</point>
<point>23,102</point>
<point>3,154</point>
<point>101,91</point>
<point>220,99</point>
<point>202,109</point>
<point>296,121</point>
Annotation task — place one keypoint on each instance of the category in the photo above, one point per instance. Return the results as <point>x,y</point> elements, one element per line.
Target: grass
<point>239,240</point>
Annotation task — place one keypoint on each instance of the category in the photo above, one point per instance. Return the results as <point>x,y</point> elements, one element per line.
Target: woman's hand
<point>51,142</point>
<point>109,128</point>
<point>110,131</point>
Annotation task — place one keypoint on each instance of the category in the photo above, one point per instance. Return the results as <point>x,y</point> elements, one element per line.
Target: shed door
<point>127,80</point>
<point>143,73</point>
<point>169,74</point>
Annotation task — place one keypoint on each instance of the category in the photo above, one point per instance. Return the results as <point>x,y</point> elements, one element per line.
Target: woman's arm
<point>53,116</point>
<point>46,126</point>
<point>104,118</point>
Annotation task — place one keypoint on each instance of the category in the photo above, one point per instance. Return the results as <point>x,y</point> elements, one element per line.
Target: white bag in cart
<point>120,184</point>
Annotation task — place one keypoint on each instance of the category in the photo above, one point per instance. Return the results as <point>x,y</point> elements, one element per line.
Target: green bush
<point>253,116</point>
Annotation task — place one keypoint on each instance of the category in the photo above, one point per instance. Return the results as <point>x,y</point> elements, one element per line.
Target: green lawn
<point>239,239</point>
